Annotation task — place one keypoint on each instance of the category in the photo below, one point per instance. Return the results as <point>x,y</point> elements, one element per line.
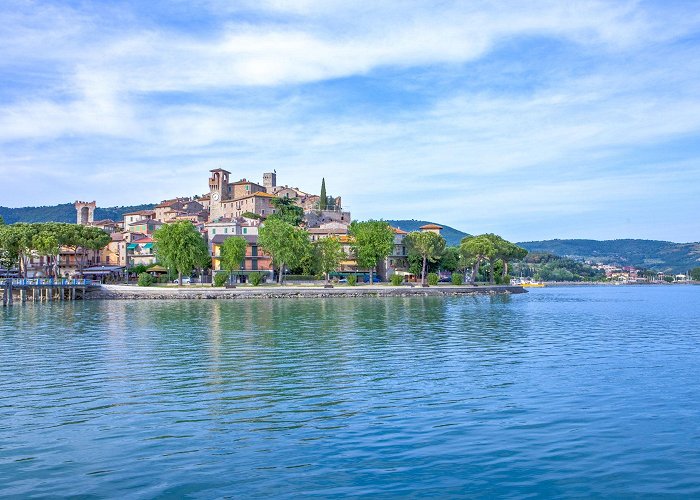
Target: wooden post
<point>9,292</point>
<point>4,293</point>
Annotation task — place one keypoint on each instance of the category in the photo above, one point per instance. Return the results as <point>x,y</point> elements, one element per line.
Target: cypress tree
<point>323,201</point>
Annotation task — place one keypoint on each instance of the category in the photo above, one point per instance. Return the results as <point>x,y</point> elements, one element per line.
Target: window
<point>245,230</point>
<point>226,230</point>
<point>213,231</point>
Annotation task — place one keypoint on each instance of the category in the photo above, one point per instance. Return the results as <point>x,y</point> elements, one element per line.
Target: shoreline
<point>125,292</point>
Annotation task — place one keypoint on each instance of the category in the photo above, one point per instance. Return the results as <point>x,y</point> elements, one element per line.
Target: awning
<point>131,246</point>
<point>148,245</point>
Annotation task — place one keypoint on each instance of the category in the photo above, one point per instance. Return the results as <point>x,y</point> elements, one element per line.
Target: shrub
<point>255,278</point>
<point>396,279</point>
<point>220,279</point>
<point>433,279</point>
<point>352,280</point>
<point>145,279</point>
<point>457,279</point>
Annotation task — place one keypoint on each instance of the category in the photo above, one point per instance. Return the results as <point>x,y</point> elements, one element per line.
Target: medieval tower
<point>85,212</point>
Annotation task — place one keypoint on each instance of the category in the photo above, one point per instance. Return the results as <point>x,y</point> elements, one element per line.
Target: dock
<point>44,290</point>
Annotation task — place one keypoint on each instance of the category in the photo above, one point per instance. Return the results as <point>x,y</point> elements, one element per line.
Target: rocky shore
<point>117,292</point>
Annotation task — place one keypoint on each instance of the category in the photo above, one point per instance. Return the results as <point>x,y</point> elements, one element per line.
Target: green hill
<point>649,254</point>
<point>64,212</point>
<point>452,235</point>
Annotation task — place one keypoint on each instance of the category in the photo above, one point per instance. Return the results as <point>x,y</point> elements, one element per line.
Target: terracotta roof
<point>141,212</point>
<point>219,238</point>
<point>145,221</point>
<point>147,239</point>
<point>318,230</point>
<point>400,231</point>
<point>430,226</point>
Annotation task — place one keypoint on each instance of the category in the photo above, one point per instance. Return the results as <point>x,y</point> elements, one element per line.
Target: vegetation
<point>323,198</point>
<point>433,279</point>
<point>475,250</point>
<point>396,279</point>
<point>430,246</point>
<point>251,215</point>
<point>19,241</point>
<point>457,279</point>
<point>549,267</point>
<point>695,274</point>
<point>232,254</point>
<point>373,240</point>
<point>220,279</point>
<point>328,253</point>
<point>284,242</point>
<point>645,254</point>
<point>287,211</point>
<point>352,280</point>
<point>255,278</point>
<point>145,279</point>
<point>181,247</point>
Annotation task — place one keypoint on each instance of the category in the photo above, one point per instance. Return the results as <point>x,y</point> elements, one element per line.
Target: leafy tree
<point>2,221</point>
<point>430,246</point>
<point>251,215</point>
<point>328,252</point>
<point>505,252</point>
<point>373,241</point>
<point>145,279</point>
<point>232,254</point>
<point>450,259</point>
<point>220,279</point>
<point>695,274</point>
<point>284,242</point>
<point>323,198</point>
<point>46,244</point>
<point>433,279</point>
<point>477,249</point>
<point>287,211</point>
<point>180,246</point>
<point>255,278</point>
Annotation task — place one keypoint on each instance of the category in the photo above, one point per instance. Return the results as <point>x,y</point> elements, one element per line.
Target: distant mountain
<point>650,254</point>
<point>452,235</point>
<point>64,212</point>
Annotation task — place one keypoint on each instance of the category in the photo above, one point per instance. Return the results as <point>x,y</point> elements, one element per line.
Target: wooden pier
<point>43,290</point>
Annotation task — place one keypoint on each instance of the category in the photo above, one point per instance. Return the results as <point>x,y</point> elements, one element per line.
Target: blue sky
<point>534,120</point>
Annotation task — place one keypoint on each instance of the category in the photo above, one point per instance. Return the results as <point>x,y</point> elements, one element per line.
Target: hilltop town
<point>229,208</point>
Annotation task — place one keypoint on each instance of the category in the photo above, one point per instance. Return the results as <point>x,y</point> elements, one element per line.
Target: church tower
<point>85,212</point>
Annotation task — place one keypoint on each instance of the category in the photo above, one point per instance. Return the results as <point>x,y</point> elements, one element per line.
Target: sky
<point>534,120</point>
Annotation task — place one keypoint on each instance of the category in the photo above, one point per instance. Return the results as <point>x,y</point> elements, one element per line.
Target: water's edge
<point>122,292</point>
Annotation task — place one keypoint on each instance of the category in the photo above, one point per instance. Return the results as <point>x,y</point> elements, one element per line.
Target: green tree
<point>477,249</point>
<point>323,198</point>
<point>328,252</point>
<point>180,246</point>
<point>430,246</point>
<point>373,240</point>
<point>2,221</point>
<point>695,274</point>
<point>232,254</point>
<point>284,242</point>
<point>46,244</point>
<point>450,259</point>
<point>287,211</point>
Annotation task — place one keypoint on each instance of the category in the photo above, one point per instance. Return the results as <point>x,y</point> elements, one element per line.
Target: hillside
<point>649,254</point>
<point>64,212</point>
<point>452,235</point>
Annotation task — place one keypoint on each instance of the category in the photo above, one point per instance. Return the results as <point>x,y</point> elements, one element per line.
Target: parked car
<point>186,280</point>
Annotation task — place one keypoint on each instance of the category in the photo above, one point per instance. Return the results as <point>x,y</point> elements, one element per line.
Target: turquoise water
<point>559,392</point>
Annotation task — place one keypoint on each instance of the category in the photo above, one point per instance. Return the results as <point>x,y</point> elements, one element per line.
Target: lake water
<point>560,392</point>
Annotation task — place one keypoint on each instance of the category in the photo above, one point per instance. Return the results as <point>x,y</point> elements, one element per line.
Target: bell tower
<point>85,212</point>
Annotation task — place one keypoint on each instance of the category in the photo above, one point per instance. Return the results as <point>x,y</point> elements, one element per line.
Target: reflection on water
<point>565,392</point>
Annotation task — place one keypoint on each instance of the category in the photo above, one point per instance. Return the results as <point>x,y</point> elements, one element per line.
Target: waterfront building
<point>140,252</point>
<point>145,226</point>
<point>256,260</point>
<point>132,217</point>
<point>397,261</point>
<point>431,228</point>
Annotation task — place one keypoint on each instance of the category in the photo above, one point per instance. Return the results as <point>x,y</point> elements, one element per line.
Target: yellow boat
<point>533,284</point>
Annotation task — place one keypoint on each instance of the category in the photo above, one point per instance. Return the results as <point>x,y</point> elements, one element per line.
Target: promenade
<point>107,292</point>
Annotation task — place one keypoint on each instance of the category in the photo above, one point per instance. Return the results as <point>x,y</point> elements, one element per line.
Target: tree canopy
<point>373,240</point>
<point>328,252</point>
<point>287,211</point>
<point>284,242</point>
<point>232,253</point>
<point>181,247</point>
<point>323,198</point>
<point>430,246</point>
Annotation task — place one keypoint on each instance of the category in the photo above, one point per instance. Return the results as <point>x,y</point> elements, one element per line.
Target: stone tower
<point>270,181</point>
<point>85,212</point>
<point>218,192</point>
